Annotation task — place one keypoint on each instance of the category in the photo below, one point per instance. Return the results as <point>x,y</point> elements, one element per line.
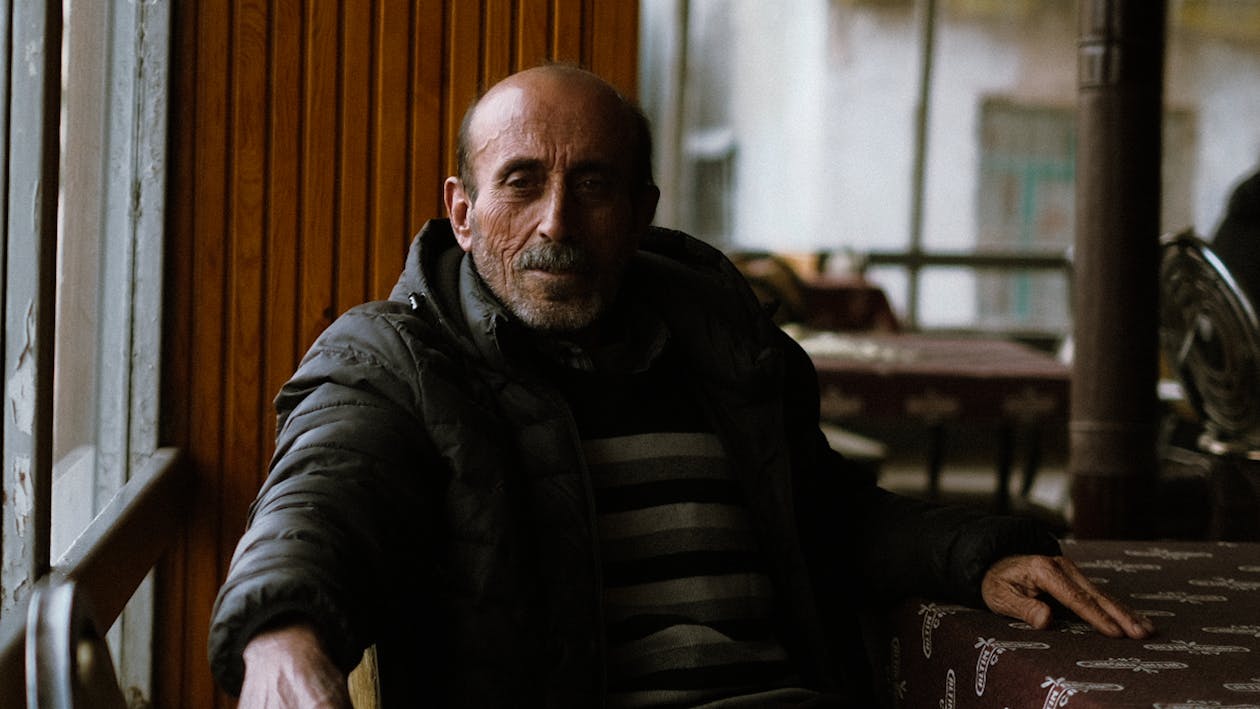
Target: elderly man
<point>571,463</point>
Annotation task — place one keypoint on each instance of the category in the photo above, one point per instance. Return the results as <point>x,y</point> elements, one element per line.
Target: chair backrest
<point>68,664</point>
<point>1210,336</point>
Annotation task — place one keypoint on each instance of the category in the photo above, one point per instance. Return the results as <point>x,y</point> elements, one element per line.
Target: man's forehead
<point>518,121</point>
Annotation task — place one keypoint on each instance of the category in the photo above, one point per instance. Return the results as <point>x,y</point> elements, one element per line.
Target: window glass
<point>77,375</point>
<point>109,247</point>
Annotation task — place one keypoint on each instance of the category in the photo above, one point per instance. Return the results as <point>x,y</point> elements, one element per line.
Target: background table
<point>1203,597</point>
<point>936,381</point>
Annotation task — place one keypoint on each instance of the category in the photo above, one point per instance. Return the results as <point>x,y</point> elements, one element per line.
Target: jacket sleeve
<point>347,482</point>
<point>855,533</point>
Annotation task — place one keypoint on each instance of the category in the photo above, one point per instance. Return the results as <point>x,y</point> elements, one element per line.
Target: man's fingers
<point>1132,623</point>
<point>1078,594</point>
<point>1009,589</point>
<point>1012,585</point>
<point>1033,612</point>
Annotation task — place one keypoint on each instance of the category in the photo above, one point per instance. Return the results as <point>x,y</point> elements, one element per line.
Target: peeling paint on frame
<point>23,493</point>
<point>21,385</point>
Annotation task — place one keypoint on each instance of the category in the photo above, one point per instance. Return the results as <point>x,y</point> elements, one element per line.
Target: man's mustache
<point>553,257</point>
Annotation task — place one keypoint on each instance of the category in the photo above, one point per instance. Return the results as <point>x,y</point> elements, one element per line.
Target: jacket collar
<point>677,288</point>
<point>635,335</point>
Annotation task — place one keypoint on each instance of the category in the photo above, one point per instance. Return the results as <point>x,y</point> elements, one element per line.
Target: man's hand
<point>1012,586</point>
<point>287,668</point>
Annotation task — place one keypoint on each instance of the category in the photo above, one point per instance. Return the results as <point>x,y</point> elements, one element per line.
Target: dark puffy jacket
<point>428,495</point>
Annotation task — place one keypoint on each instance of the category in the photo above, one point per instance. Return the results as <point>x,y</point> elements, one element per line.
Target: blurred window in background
<point>966,217</point>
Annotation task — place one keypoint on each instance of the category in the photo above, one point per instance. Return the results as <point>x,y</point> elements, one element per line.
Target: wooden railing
<point>110,559</point>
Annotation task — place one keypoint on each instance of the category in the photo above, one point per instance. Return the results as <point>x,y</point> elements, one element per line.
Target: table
<point>1204,598</point>
<point>939,380</point>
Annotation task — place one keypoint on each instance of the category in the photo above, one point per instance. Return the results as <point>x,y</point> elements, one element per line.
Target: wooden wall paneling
<point>246,236</point>
<point>568,40</point>
<point>316,249</point>
<point>463,64</point>
<point>171,602</point>
<point>284,168</point>
<point>533,39</point>
<point>209,329</point>
<point>310,140</point>
<point>617,56</point>
<point>389,149</point>
<point>427,118</point>
<point>499,42</point>
<point>354,139</point>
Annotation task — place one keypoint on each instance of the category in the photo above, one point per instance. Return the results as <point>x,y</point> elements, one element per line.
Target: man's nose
<point>556,214</point>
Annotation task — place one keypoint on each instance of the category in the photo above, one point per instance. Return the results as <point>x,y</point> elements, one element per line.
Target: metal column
<point>1114,408</point>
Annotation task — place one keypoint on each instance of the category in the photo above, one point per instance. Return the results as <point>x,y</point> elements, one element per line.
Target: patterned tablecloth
<point>1203,597</point>
<point>935,379</point>
<point>940,382</point>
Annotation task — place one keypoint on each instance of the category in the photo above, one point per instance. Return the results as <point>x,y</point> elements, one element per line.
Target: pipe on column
<point>1114,411</point>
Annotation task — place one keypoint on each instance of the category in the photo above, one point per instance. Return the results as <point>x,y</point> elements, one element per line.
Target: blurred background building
<point>929,142</point>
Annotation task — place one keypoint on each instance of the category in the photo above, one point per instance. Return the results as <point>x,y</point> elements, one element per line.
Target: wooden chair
<point>364,682</point>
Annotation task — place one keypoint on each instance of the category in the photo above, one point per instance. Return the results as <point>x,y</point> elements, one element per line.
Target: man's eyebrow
<point>526,164</point>
<point>517,165</point>
<point>606,166</point>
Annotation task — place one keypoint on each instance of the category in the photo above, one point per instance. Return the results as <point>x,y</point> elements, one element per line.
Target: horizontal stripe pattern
<point>687,599</point>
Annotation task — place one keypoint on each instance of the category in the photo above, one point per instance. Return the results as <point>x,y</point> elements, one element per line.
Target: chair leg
<point>1005,456</point>
<point>936,459</point>
<point>1032,461</point>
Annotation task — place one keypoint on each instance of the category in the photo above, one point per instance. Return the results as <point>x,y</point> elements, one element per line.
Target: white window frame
<point>88,173</point>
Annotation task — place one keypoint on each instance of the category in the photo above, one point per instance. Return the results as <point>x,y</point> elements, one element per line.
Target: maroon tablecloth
<point>922,377</point>
<point>940,381</point>
<point>1204,598</point>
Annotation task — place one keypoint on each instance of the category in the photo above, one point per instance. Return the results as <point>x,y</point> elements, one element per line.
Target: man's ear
<point>458,206</point>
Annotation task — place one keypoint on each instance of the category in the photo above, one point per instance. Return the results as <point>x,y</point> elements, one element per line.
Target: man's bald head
<point>562,82</point>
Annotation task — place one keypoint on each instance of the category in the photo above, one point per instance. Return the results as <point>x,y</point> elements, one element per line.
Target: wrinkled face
<point>556,217</point>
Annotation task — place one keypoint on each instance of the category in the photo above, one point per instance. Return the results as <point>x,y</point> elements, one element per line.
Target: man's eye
<point>519,182</point>
<point>594,186</point>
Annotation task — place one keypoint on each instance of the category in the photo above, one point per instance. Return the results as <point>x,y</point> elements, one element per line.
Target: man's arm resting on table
<point>286,666</point>
<point>1013,584</point>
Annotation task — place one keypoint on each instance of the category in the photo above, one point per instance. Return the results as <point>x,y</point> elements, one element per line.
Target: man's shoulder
<point>384,330</point>
<point>684,250</point>
<point>681,272</point>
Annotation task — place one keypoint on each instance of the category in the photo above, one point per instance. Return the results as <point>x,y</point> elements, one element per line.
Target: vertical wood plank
<point>567,31</point>
<point>247,236</point>
<point>171,613</point>
<point>285,163</point>
<point>427,137</point>
<point>616,57</point>
<point>319,140</point>
<point>209,330</point>
<point>389,181</point>
<point>354,158</point>
<point>499,40</point>
<point>533,37</point>
<point>463,80</point>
